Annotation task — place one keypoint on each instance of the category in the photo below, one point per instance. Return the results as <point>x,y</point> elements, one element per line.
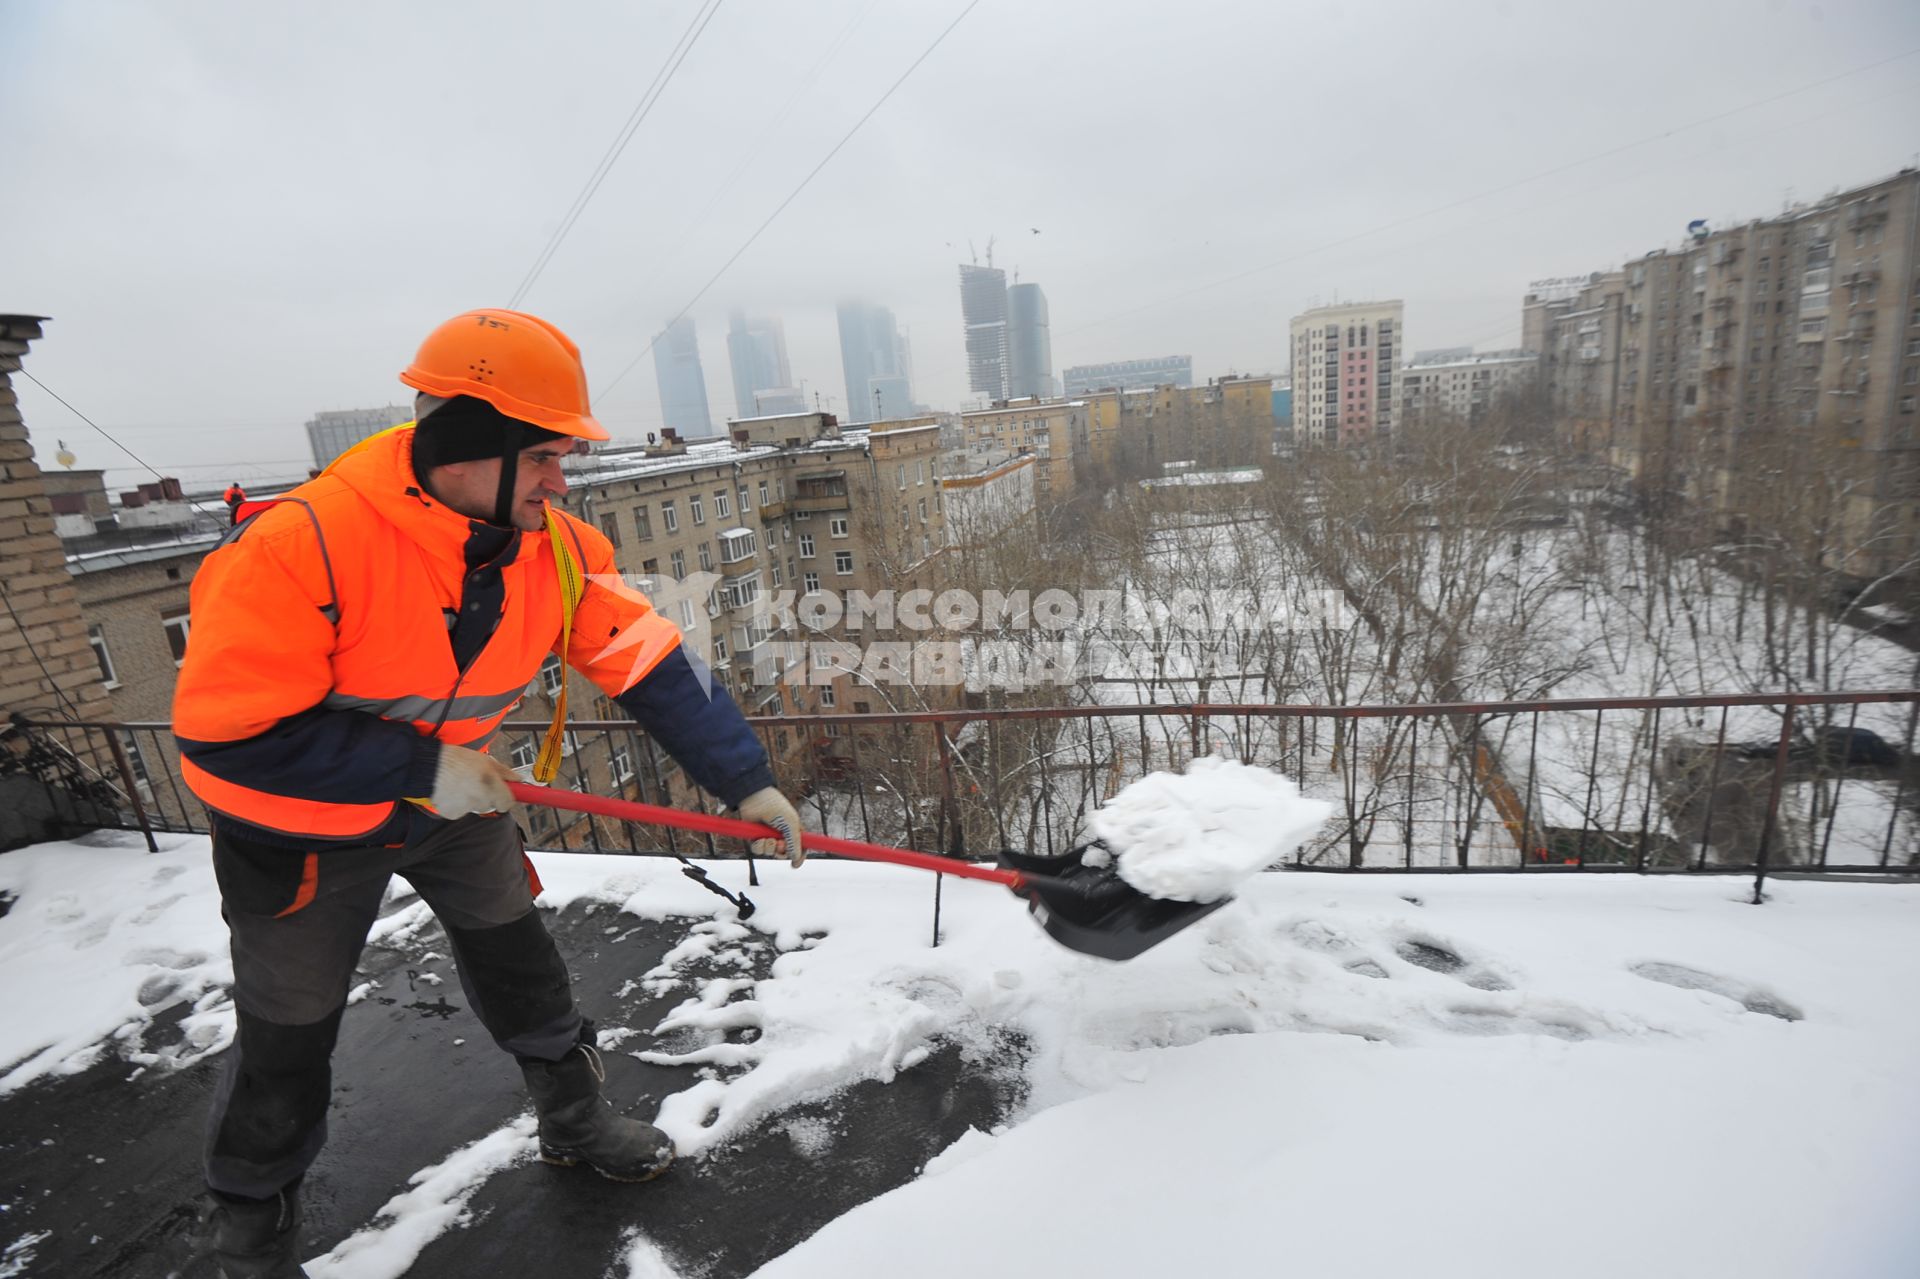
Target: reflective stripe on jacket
<point>320,676</point>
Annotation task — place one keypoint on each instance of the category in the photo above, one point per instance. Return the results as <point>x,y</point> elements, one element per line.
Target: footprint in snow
<point>164,957</point>
<point>153,910</point>
<point>1487,1020</point>
<point>1431,955</point>
<point>1324,939</point>
<point>1754,999</point>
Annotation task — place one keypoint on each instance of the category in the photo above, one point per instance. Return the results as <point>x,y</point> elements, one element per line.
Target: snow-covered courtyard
<point>1332,1076</point>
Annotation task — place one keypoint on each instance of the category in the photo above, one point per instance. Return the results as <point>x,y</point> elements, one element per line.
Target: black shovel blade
<point>1092,910</point>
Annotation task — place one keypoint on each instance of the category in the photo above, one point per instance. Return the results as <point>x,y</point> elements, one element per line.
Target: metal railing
<point>1813,783</point>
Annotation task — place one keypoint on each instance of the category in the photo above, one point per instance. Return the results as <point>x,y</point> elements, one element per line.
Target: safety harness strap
<point>546,765</point>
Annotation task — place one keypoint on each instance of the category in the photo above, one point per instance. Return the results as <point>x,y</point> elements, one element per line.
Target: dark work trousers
<point>292,970</point>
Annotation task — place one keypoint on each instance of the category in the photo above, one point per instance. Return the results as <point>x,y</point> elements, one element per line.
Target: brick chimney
<point>47,667</point>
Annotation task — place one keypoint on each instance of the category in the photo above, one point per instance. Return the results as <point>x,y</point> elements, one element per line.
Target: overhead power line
<point>103,431</point>
<point>643,108</point>
<point>1396,223</point>
<point>795,194</point>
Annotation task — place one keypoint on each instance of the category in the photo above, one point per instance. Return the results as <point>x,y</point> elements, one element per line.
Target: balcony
<point>737,546</point>
<point>821,502</point>
<point>821,491</point>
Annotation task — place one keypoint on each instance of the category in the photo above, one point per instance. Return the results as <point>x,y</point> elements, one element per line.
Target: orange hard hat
<point>516,362</point>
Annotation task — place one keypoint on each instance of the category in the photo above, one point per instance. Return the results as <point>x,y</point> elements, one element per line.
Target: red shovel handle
<point>655,815</point>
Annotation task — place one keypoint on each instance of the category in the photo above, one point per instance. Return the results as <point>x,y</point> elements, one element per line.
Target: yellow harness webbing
<point>546,766</point>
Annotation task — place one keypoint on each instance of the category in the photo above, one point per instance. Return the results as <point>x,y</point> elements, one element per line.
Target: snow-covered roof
<point>82,557</point>
<point>1421,1036</point>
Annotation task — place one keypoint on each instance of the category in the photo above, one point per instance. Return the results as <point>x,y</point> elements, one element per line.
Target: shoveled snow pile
<point>1194,838</point>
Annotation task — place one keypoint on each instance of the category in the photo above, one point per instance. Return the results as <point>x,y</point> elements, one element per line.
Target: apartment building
<point>1345,359</point>
<point>1227,422</point>
<point>1576,329</point>
<point>1055,432</point>
<point>715,532</point>
<point>134,593</point>
<point>987,494</point>
<point>1462,388</point>
<point>1745,347</point>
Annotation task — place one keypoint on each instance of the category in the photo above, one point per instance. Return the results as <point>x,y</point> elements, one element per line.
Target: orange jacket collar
<point>382,473</point>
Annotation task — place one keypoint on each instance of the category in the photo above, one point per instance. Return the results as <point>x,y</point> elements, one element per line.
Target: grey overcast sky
<point>238,214</point>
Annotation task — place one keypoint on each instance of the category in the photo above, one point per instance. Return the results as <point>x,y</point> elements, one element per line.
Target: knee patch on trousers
<point>270,1116</point>
<point>516,979</point>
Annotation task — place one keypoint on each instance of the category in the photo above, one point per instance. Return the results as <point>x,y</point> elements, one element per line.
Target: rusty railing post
<point>131,788</point>
<point>1773,803</point>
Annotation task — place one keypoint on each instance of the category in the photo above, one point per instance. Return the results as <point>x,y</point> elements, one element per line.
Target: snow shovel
<point>1085,908</point>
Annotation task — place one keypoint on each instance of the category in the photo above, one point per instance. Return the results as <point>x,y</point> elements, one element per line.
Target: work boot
<point>258,1238</point>
<point>578,1126</point>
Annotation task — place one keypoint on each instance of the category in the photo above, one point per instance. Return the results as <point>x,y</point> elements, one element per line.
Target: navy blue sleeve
<point>692,715</point>
<point>334,756</point>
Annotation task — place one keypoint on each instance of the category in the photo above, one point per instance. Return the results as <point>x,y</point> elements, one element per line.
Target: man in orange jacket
<point>355,646</point>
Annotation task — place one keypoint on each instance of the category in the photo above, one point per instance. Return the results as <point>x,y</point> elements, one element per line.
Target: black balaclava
<point>466,429</point>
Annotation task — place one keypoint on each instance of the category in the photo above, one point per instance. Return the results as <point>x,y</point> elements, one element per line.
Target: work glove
<point>770,808</point>
<point>468,781</point>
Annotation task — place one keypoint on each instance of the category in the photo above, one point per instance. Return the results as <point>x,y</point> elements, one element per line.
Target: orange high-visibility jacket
<point>320,679</point>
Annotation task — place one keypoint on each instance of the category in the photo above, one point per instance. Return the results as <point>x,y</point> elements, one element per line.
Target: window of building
<point>524,753</point>
<point>550,676</point>
<point>669,517</point>
<point>810,583</point>
<point>697,509</point>
<point>923,510</point>
<point>902,472</point>
<point>776,572</point>
<point>610,525</point>
<point>719,649</point>
<point>920,472</point>
<point>642,525</point>
<point>722,505</point>
<point>826,695</point>
<point>806,546</point>
<point>620,760</point>
<point>763,492</point>
<point>838,526</point>
<point>677,562</point>
<point>843,562</point>
<point>177,625</point>
<point>706,556</point>
<point>98,638</point>
<point>686,613</point>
